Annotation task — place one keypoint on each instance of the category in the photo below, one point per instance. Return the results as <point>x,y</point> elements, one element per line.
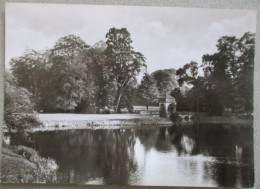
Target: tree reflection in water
<point>85,155</point>
<point>214,155</point>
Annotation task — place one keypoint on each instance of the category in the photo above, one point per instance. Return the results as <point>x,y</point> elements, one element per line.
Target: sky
<point>168,37</point>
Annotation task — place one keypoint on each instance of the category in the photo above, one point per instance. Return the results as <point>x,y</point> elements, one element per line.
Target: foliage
<point>175,117</point>
<point>69,47</point>
<point>68,71</point>
<point>123,63</point>
<point>189,74</point>
<point>165,80</point>
<point>162,111</point>
<point>183,103</point>
<point>96,81</point>
<point>68,84</point>
<point>229,72</point>
<point>31,72</point>
<point>74,77</point>
<point>128,96</point>
<point>19,112</point>
<point>147,90</point>
<point>45,167</point>
<point>245,73</point>
<point>227,83</point>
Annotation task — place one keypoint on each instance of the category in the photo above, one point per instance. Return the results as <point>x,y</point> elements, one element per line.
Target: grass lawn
<point>98,121</point>
<point>90,117</point>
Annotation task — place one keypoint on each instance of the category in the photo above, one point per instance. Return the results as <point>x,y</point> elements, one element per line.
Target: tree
<point>31,72</point>
<point>229,72</point>
<point>96,81</point>
<point>69,82</point>
<point>67,89</point>
<point>123,63</point>
<point>245,75</point>
<point>69,47</point>
<point>19,112</point>
<point>57,77</point>
<point>147,90</point>
<point>181,100</point>
<point>189,74</point>
<point>128,96</point>
<point>220,70</point>
<point>165,80</point>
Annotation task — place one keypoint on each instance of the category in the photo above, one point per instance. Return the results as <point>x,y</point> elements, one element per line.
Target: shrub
<point>46,167</point>
<point>175,117</point>
<point>26,152</point>
<point>162,111</point>
<point>19,114</point>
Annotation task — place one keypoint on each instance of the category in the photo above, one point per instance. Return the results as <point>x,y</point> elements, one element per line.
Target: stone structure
<point>167,105</point>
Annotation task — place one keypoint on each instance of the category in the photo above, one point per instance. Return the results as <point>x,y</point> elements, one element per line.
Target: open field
<point>90,117</point>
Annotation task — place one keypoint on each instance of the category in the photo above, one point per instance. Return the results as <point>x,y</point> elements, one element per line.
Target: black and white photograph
<point>128,95</point>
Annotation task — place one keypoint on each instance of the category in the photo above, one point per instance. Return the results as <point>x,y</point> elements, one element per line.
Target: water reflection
<point>197,155</point>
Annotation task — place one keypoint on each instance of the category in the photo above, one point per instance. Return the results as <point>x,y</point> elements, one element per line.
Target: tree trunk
<point>147,105</point>
<point>118,101</point>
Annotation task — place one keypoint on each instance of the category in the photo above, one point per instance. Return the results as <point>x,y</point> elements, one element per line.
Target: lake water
<point>196,155</point>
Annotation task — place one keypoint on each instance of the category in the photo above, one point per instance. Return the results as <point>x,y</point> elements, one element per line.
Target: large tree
<point>69,77</point>
<point>147,90</point>
<point>165,80</point>
<point>220,70</point>
<point>96,78</point>
<point>32,72</point>
<point>68,85</point>
<point>189,74</point>
<point>123,63</point>
<point>57,77</point>
<point>229,72</point>
<point>245,75</point>
<point>69,47</point>
<point>19,112</point>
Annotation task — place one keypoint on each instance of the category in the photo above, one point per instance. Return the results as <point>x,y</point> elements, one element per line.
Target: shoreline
<point>100,121</point>
<point>53,122</point>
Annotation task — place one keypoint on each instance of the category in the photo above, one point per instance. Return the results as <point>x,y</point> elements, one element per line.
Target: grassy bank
<point>21,164</point>
<point>223,120</point>
<point>115,121</point>
<point>226,118</point>
<point>99,121</point>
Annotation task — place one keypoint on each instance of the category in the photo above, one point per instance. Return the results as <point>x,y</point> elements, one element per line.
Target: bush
<point>175,117</point>
<point>26,152</point>
<point>162,111</point>
<point>46,167</point>
<point>19,114</point>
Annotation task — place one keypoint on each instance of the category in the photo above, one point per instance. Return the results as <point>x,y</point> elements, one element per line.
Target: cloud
<point>168,37</point>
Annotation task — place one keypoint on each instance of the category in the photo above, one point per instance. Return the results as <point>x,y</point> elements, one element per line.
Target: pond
<point>196,155</point>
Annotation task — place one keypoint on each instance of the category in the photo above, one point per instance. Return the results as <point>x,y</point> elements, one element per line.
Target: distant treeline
<point>76,77</point>
<point>227,83</point>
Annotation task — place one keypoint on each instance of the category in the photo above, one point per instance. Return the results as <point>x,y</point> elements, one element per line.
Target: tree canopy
<point>148,90</point>
<point>123,62</point>
<point>19,113</point>
<point>225,69</point>
<point>75,77</point>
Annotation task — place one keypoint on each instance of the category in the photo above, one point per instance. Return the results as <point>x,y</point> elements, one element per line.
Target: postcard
<point>128,95</point>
